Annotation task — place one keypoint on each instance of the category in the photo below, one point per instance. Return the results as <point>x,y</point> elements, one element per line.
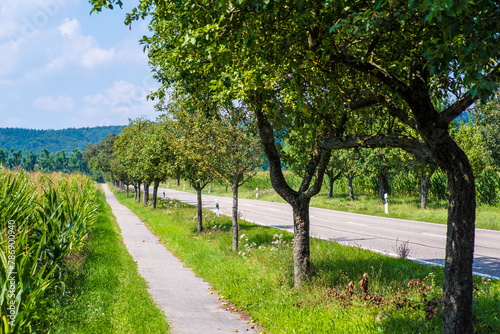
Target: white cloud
<point>70,28</point>
<point>22,21</point>
<point>97,56</point>
<point>50,103</point>
<point>73,49</point>
<point>118,103</point>
<point>122,93</point>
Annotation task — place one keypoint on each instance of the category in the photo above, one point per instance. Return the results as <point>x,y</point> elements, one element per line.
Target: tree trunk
<point>423,193</point>
<point>301,251</point>
<point>199,224</point>
<point>383,187</point>
<point>135,192</point>
<point>127,190</point>
<point>299,200</point>
<point>146,193</point>
<point>459,253</point>
<point>331,181</point>
<point>139,192</point>
<point>155,193</point>
<point>424,182</point>
<point>458,283</point>
<point>350,187</point>
<point>234,188</point>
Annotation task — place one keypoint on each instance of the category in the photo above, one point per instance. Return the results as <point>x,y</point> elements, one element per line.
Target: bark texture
<point>424,183</point>
<point>423,193</point>
<point>234,188</point>
<point>199,218</point>
<point>301,250</point>
<point>457,298</point>
<point>383,186</point>
<point>146,193</point>
<point>331,180</point>
<point>138,192</point>
<point>155,193</point>
<point>350,178</point>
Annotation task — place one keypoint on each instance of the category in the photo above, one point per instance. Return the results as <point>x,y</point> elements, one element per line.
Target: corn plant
<point>42,222</point>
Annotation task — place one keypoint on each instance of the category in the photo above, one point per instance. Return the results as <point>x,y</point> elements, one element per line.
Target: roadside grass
<point>403,207</point>
<point>104,292</point>
<point>400,296</point>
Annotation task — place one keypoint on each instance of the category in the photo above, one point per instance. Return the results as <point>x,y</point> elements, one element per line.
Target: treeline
<point>53,140</point>
<point>46,162</point>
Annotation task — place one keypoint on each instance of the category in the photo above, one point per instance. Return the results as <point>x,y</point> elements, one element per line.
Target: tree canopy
<point>348,74</point>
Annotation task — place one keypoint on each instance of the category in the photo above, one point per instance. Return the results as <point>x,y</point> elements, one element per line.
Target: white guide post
<point>386,204</point>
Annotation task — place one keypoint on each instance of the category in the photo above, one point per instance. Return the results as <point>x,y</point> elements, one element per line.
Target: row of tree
<point>329,75</point>
<point>45,162</point>
<point>180,144</point>
<point>396,171</point>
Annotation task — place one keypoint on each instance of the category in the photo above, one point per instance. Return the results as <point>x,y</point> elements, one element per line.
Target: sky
<point>61,67</point>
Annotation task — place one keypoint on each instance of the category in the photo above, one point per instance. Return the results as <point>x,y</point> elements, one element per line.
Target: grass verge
<point>104,292</point>
<point>396,296</point>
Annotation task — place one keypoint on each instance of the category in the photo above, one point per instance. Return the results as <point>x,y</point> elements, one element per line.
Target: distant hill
<point>53,140</point>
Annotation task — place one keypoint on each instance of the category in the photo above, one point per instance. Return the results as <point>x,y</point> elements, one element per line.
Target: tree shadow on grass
<point>387,287</point>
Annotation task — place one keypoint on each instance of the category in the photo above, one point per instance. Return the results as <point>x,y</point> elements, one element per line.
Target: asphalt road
<point>426,241</point>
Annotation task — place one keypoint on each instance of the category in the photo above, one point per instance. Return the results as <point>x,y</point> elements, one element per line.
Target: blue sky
<point>61,67</point>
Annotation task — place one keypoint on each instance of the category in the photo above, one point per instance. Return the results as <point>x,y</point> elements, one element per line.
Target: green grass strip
<point>104,291</point>
<point>402,296</point>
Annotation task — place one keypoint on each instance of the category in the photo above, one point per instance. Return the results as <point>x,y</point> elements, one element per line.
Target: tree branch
<point>467,100</point>
<point>268,142</point>
<point>409,144</point>
<point>378,72</point>
<point>397,112</point>
<point>368,102</point>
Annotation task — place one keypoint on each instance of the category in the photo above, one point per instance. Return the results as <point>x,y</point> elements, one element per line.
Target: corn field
<point>44,218</point>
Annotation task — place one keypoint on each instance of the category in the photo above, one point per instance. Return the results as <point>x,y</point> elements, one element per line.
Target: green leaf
<point>334,27</point>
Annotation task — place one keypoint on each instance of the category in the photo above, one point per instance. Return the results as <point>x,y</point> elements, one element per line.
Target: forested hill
<point>53,140</point>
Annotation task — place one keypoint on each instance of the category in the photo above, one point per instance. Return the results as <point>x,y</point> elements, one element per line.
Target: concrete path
<point>185,298</point>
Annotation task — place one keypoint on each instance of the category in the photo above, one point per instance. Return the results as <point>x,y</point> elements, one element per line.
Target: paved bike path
<point>185,298</point>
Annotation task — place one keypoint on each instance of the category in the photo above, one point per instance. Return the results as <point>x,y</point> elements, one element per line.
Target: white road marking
<point>353,223</point>
<point>434,235</point>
